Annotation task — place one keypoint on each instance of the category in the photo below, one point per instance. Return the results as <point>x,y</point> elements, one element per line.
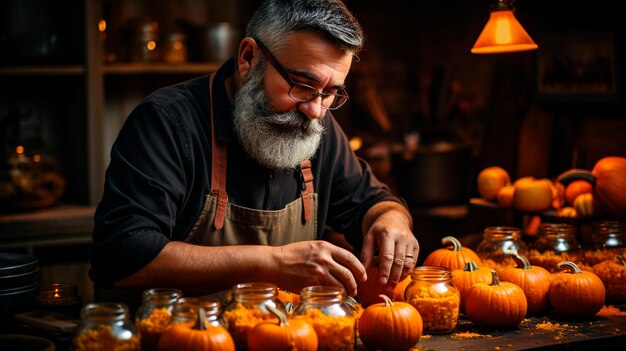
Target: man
<point>232,177</point>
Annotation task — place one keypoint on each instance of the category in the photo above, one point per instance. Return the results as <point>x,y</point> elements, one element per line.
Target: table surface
<point>607,333</point>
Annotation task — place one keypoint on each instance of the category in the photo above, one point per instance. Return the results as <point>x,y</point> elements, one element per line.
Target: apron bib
<point>222,223</point>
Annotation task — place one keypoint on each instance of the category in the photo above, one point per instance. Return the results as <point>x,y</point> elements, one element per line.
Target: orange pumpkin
<point>465,278</point>
<point>398,291</point>
<point>567,211</point>
<point>496,304</point>
<point>609,184</point>
<point>576,293</point>
<point>196,336</point>
<point>576,188</point>
<point>533,195</point>
<point>287,335</point>
<point>534,281</point>
<point>452,257</point>
<point>490,180</point>
<point>506,195</point>
<point>390,325</point>
<point>288,297</point>
<point>584,205</point>
<point>369,290</point>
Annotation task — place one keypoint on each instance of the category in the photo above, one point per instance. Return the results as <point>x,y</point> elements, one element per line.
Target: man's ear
<point>246,56</point>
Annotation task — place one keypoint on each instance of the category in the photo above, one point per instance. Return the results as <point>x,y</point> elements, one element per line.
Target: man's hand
<point>318,262</point>
<point>387,226</point>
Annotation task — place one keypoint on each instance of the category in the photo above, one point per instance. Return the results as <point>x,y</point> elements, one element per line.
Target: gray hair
<point>275,19</point>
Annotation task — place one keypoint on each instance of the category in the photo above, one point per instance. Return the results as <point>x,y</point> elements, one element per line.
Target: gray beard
<point>275,140</point>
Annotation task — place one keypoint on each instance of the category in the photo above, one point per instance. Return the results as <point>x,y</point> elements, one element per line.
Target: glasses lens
<point>340,98</point>
<point>306,93</point>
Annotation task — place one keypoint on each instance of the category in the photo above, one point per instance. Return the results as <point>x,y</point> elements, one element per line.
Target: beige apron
<point>223,223</point>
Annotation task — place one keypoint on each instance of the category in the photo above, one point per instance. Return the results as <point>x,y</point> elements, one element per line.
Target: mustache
<point>293,121</point>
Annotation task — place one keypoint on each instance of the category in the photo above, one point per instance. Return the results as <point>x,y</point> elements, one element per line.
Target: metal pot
<point>435,173</point>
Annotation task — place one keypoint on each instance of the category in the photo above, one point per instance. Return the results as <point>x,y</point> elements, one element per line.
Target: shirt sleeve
<point>145,182</point>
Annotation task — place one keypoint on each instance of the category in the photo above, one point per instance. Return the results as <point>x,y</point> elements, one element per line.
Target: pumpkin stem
<point>388,301</point>
<point>470,267</point>
<point>521,261</point>
<point>576,173</point>
<point>568,264</point>
<point>282,317</point>
<point>622,258</point>
<point>455,242</point>
<point>495,280</point>
<point>200,320</point>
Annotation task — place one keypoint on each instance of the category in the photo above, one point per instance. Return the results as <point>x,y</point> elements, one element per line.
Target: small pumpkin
<point>584,205</point>
<point>197,335</point>
<point>496,304</point>
<point>490,180</point>
<point>608,178</point>
<point>369,290</point>
<point>452,257</point>
<point>465,278</point>
<point>534,281</point>
<point>506,196</point>
<point>567,212</point>
<point>576,188</point>
<point>533,195</point>
<point>576,293</point>
<point>390,325</point>
<point>287,335</point>
<point>398,291</point>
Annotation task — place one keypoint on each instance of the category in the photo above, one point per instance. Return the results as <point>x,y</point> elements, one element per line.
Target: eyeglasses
<point>302,92</point>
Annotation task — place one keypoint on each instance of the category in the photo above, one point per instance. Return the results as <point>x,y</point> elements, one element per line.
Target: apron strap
<point>306,188</point>
<point>218,167</point>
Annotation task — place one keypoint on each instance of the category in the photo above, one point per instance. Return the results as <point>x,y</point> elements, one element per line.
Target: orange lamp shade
<point>503,33</point>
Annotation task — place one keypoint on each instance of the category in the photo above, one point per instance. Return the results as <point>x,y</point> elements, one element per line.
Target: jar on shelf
<point>247,308</point>
<point>146,44</point>
<point>613,276</point>
<point>105,326</point>
<point>155,314</point>
<point>433,294</point>
<point>174,47</point>
<point>497,245</point>
<point>608,238</point>
<point>60,298</point>
<point>556,242</point>
<point>186,309</point>
<point>326,309</point>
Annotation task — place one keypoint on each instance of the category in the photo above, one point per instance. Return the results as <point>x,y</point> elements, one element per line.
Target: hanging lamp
<point>503,33</point>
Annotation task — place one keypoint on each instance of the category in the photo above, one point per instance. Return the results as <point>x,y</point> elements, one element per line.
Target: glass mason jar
<point>247,309</point>
<point>497,245</point>
<point>186,309</point>
<point>556,242</point>
<point>155,314</point>
<point>326,309</point>
<point>608,238</point>
<point>433,294</point>
<point>61,298</point>
<point>105,326</point>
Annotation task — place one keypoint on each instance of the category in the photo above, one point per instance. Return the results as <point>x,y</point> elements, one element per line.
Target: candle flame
<point>56,293</point>
<point>102,25</point>
<point>19,149</point>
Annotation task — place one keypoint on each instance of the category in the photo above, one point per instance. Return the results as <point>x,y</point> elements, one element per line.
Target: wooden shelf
<point>68,70</point>
<point>160,68</point>
<point>58,225</point>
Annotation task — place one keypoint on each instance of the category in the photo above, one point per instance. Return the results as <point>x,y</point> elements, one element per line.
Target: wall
<point>418,53</point>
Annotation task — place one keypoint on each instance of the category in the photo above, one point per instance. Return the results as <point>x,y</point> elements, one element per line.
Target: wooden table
<point>601,333</point>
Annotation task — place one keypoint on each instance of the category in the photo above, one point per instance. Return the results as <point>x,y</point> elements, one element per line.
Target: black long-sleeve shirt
<point>160,173</point>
